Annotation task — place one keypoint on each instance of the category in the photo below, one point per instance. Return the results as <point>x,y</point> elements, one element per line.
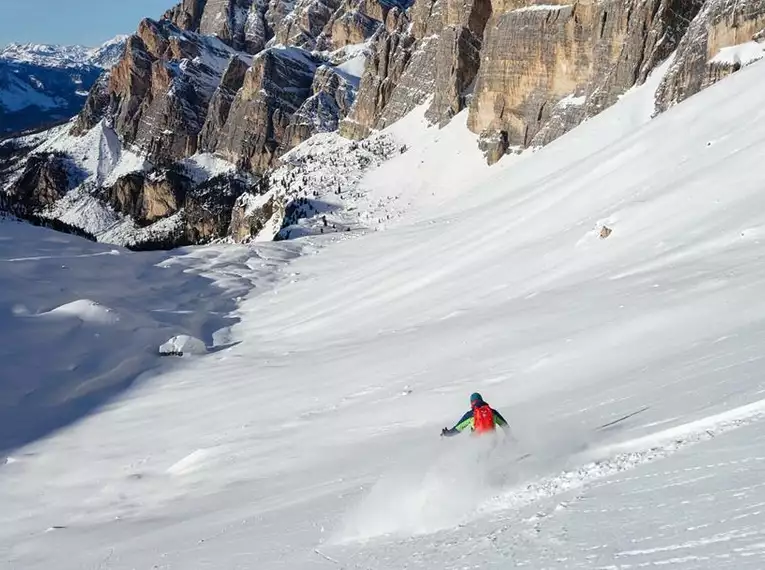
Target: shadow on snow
<point>58,368</point>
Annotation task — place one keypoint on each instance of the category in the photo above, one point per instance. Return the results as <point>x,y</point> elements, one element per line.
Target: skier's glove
<point>444,432</point>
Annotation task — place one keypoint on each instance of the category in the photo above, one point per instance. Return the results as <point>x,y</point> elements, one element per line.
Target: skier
<point>480,419</point>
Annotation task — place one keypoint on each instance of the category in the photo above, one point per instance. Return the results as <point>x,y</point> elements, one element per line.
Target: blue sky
<point>87,22</point>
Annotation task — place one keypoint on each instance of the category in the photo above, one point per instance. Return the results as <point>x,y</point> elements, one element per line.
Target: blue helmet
<point>475,398</point>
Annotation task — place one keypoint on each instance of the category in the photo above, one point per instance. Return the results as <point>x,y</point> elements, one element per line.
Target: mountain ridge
<point>247,82</point>
<point>42,84</point>
<point>59,55</point>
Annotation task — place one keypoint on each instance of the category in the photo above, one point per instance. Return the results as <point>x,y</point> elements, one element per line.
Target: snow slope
<point>80,322</point>
<point>629,368</point>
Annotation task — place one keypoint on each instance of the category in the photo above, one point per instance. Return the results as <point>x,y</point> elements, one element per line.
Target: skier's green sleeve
<point>499,420</point>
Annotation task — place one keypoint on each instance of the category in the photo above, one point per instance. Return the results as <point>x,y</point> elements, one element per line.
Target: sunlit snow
<point>629,367</point>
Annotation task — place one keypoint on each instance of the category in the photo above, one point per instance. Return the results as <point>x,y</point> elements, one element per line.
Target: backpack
<point>483,419</point>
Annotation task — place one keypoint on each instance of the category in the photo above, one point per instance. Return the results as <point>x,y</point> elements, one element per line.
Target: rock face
<point>220,104</point>
<point>251,213</point>
<point>45,180</point>
<point>245,81</point>
<point>239,23</point>
<point>161,90</point>
<point>702,58</point>
<point>95,106</point>
<point>189,83</point>
<point>458,55</point>
<point>186,15</point>
<point>351,27</point>
<point>179,90</point>
<point>332,95</point>
<point>306,23</point>
<point>494,146</point>
<point>252,25</point>
<point>204,212</point>
<point>393,48</point>
<point>356,21</point>
<point>209,208</point>
<point>274,88</point>
<point>148,199</point>
<point>529,72</point>
<point>546,68</point>
<point>284,98</point>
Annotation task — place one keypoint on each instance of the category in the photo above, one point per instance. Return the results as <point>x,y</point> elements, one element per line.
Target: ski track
<point>538,514</point>
<point>605,462</point>
<point>642,450</point>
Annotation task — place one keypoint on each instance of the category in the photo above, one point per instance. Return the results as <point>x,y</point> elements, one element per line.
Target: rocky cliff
<point>529,72</point>
<point>566,62</point>
<point>177,91</point>
<point>724,36</point>
<point>181,140</point>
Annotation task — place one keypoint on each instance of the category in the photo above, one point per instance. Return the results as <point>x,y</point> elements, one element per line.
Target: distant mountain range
<point>42,85</point>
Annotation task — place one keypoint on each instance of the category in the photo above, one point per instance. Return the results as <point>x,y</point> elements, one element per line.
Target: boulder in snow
<point>182,344</point>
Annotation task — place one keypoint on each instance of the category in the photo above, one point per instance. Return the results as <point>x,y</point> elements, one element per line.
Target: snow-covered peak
<point>118,40</point>
<point>49,55</point>
<point>108,53</point>
<point>43,84</point>
<point>46,55</point>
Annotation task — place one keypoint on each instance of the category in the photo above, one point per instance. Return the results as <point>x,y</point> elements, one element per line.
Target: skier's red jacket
<point>480,419</point>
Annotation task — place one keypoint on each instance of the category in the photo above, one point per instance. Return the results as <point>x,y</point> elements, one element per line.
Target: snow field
<point>628,367</point>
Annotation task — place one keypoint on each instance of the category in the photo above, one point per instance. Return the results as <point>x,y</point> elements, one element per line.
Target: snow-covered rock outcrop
<point>182,345</point>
